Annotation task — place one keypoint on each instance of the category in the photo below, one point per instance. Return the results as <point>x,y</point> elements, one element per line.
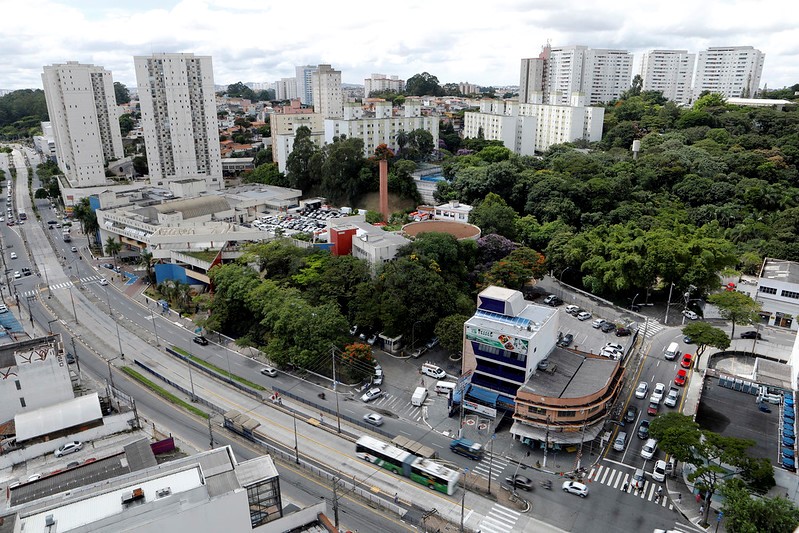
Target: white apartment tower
<point>381,82</point>
<point>670,72</point>
<point>733,71</point>
<point>286,89</point>
<point>326,88</point>
<point>178,107</point>
<point>85,119</point>
<point>304,73</point>
<point>560,73</point>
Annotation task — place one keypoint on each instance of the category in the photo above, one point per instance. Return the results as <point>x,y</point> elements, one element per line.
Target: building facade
<point>529,128</point>
<point>670,72</point>
<point>381,82</point>
<point>733,71</point>
<point>303,77</point>
<point>777,291</point>
<point>326,88</point>
<point>286,89</point>
<point>284,126</point>
<point>379,125</point>
<point>560,73</point>
<point>82,106</point>
<point>178,107</point>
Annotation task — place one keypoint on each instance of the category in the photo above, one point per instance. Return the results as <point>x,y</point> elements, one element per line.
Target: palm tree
<point>113,248</point>
<point>87,218</point>
<point>402,140</point>
<point>147,260</point>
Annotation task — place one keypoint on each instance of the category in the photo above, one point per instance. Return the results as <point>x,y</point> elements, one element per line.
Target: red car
<point>686,361</point>
<point>652,410</point>
<point>679,379</point>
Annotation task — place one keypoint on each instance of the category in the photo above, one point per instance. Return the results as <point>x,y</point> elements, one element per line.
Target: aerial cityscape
<point>364,283</point>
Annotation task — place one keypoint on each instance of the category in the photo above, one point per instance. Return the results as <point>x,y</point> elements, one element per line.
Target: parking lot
<point>589,339</point>
<point>306,221</point>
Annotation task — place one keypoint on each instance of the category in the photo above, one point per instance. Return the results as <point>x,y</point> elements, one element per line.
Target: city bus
<point>421,470</point>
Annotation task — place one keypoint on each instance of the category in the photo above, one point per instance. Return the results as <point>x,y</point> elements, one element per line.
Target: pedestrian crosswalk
<point>399,406</point>
<point>499,519</point>
<point>62,285</point>
<point>651,327</point>
<point>623,480</point>
<point>490,466</point>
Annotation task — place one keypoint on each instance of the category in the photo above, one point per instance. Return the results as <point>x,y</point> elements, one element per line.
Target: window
<point>790,294</point>
<point>17,383</point>
<point>767,290</point>
<point>22,402</point>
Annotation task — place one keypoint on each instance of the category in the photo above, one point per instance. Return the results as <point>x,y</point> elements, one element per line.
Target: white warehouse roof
<point>57,417</point>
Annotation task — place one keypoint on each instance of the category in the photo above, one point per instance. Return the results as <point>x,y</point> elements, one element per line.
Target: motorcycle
<point>547,484</point>
<point>321,395</point>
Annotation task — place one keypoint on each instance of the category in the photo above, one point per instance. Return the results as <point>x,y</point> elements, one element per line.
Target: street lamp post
<point>560,281</point>
<point>463,497</point>
<point>546,443</point>
<point>152,316</point>
<point>668,304</point>
<point>111,314</point>
<point>296,444</point>
<point>335,388</point>
<point>50,325</point>
<point>632,304</point>
<point>72,298</point>
<point>77,359</point>
<point>491,462</point>
<point>413,334</point>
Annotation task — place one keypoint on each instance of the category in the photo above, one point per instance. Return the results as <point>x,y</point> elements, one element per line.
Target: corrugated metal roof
<point>195,207</point>
<point>255,470</point>
<point>140,455</point>
<point>222,484</point>
<point>54,418</point>
<point>216,463</point>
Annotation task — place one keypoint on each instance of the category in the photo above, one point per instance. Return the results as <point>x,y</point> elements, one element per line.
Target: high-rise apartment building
<point>85,119</point>
<point>733,71</point>
<point>286,89</point>
<point>670,72</point>
<point>303,76</point>
<point>178,107</point>
<point>381,82</point>
<point>326,88</point>
<point>560,73</point>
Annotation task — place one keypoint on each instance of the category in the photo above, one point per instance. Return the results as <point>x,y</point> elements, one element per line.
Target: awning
<point>557,437</point>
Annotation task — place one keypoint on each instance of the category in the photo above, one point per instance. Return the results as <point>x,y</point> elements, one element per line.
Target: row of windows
<point>783,293</point>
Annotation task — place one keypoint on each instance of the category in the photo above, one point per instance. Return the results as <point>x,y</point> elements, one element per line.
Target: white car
<point>70,447</point>
<point>614,346</point>
<point>585,315</point>
<point>657,394</point>
<point>269,371</point>
<point>3,308</point>
<point>103,281</point>
<point>574,487</point>
<point>372,394</point>
<point>377,379</point>
<point>649,449</point>
<point>641,390</point>
<point>596,324</point>
<point>610,353</point>
<point>571,308</point>
<point>659,471</point>
<point>17,275</point>
<point>687,313</point>
<point>13,255</point>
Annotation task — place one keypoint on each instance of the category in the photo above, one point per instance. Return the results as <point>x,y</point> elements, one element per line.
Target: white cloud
<point>478,41</point>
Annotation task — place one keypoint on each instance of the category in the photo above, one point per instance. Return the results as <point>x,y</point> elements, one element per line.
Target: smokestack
<point>384,189</point>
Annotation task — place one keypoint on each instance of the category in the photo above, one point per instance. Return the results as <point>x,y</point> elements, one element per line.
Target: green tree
<point>736,307</point>
<point>516,269</point>
<point>300,164</point>
<point>449,331</point>
<point>267,174</point>
<point>140,165</point>
<point>239,90</point>
<point>146,259</point>
<point>121,93</point>
<point>745,514</point>
<point>420,144</point>
<point>87,218</point>
<point>112,248</point>
<point>493,215</point>
<point>704,335</point>
<point>713,458</point>
<point>342,179</point>
<point>126,124</point>
<point>424,84</point>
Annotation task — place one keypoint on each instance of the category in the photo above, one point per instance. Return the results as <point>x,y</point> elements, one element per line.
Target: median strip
<point>164,393</point>
<point>219,370</point>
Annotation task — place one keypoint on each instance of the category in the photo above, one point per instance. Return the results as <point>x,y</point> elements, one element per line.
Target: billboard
<point>497,340</point>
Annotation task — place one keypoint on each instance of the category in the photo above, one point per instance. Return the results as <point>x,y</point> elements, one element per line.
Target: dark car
<point>751,335</point>
<point>643,429</point>
<point>70,358</point>
<point>520,481</point>
<point>199,339</point>
<point>687,340</point>
<point>623,332</point>
<point>607,327</point>
<point>566,340</point>
<point>631,414</point>
<point>109,266</point>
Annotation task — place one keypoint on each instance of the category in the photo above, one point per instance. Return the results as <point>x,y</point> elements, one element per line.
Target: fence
<point>182,389</point>
<point>213,373</point>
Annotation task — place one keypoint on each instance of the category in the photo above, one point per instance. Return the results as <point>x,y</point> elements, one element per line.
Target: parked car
<point>566,340</point>
<point>520,481</point>
<point>623,332</point>
<point>199,339</point>
<point>643,429</point>
<point>13,255</point>
<point>751,335</point>
<point>607,327</point>
<point>573,487</point>
<point>70,447</point>
<point>74,248</point>
<point>641,390</point>
<point>657,394</point>
<point>269,371</point>
<point>687,340</point>
<point>584,315</point>
<point>631,414</point>
<point>432,343</point>
<point>70,358</point>
<point>687,313</point>
<point>652,410</point>
<point>610,353</point>
<point>553,300</point>
<point>418,352</point>
<point>596,324</point>
<point>371,340</point>
<point>17,275</point>
<point>377,379</point>
<point>353,330</point>
<point>679,379</point>
<point>3,308</point>
<point>614,346</point>
<point>686,361</point>
<point>372,394</point>
<point>373,418</point>
<point>572,309</point>
<point>109,266</point>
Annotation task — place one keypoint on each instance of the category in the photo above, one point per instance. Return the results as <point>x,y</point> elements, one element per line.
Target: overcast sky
<point>468,40</point>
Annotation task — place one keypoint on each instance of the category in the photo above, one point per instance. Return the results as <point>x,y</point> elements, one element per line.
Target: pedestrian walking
<point>321,418</point>
<point>701,509</point>
<point>660,491</point>
<point>624,487</point>
<point>679,497</point>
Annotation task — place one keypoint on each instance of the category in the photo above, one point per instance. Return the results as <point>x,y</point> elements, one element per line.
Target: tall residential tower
<point>733,71</point>
<point>670,72</point>
<point>85,119</point>
<point>178,107</point>
<point>326,87</point>
<point>303,76</point>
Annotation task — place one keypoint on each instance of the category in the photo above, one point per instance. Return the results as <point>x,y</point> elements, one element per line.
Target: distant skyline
<point>478,42</point>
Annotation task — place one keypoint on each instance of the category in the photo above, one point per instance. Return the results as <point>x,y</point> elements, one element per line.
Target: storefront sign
<point>482,409</point>
<point>497,340</point>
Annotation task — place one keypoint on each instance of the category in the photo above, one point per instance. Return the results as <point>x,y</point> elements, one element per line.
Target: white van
<point>672,352</point>
<point>434,371</point>
<point>444,387</point>
<point>419,396</point>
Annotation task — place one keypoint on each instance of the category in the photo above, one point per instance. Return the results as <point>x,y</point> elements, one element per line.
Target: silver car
<point>372,394</point>
<point>374,419</point>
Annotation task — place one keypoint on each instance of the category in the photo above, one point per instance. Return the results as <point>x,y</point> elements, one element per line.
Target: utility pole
<point>491,462</point>
<point>210,432</point>
<point>296,448</point>
<point>546,443</point>
<point>463,497</point>
<point>668,304</point>
<point>335,502</point>
<point>582,441</point>
<point>77,359</point>
<point>335,388</point>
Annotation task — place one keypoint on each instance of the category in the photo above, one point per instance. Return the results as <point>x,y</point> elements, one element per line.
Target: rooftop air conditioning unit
<point>49,521</point>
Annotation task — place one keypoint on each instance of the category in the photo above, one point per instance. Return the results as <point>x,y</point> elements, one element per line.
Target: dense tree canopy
<point>21,113</point>
<point>424,84</point>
